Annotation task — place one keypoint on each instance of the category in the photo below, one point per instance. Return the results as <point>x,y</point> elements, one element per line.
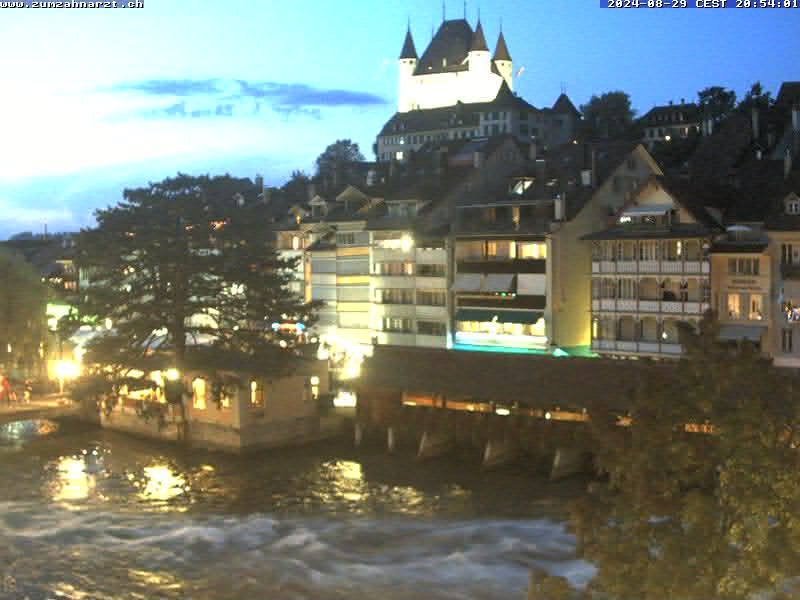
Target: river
<point>89,515</point>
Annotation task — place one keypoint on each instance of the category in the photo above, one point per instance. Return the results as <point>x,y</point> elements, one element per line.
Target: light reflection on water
<point>96,515</point>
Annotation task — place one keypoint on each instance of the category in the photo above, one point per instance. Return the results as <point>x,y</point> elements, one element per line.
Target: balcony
<point>691,307</point>
<point>636,347</point>
<point>650,267</point>
<point>469,264</point>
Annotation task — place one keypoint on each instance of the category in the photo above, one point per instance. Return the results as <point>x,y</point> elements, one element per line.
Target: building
<point>670,122</point>
<point>520,269</point>
<point>457,91</point>
<point>651,270</point>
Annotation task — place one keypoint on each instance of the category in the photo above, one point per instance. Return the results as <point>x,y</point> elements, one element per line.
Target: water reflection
<point>161,483</point>
<point>75,481</point>
<point>20,431</point>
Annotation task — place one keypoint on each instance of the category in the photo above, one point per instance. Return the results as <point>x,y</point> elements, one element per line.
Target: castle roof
<point>458,115</point>
<point>409,51</point>
<point>448,49</point>
<point>564,105</point>
<point>478,43</point>
<point>501,50</point>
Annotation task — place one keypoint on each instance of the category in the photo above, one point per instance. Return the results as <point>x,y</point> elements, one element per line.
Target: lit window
<point>793,207</point>
<point>256,394</point>
<point>734,311</point>
<point>756,307</point>
<point>199,393</point>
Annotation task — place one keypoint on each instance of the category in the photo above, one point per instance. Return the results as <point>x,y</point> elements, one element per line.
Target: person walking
<point>5,390</point>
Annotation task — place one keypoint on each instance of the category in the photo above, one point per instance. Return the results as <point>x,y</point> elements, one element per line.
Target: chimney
<point>558,207</point>
<point>754,119</point>
<point>540,169</point>
<point>259,181</point>
<point>787,163</point>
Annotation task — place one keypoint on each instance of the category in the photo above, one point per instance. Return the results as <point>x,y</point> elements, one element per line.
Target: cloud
<point>218,98</point>
<point>170,87</point>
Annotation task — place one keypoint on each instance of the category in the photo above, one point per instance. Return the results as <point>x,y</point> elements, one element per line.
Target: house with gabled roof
<point>651,270</point>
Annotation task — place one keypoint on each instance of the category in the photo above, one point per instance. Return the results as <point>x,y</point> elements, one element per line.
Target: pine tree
<point>184,268</point>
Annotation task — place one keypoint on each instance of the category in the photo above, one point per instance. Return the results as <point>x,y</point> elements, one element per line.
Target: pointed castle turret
<point>479,61</point>
<point>408,64</point>
<point>502,61</point>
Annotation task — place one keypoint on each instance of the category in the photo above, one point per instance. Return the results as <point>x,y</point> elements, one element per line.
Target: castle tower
<point>502,60</point>
<point>408,64</point>
<point>478,56</point>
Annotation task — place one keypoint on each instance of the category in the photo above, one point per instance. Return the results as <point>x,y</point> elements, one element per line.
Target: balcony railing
<point>636,347</point>
<point>647,267</point>
<point>689,307</point>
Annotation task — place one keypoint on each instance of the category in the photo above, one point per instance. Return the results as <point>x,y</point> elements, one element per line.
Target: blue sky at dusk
<point>92,100</point>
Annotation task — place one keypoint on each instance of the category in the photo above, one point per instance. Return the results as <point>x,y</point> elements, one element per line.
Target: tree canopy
<point>716,102</point>
<point>756,97</point>
<point>609,115</point>
<point>23,301</point>
<point>692,515</point>
<point>333,163</point>
<point>186,263</point>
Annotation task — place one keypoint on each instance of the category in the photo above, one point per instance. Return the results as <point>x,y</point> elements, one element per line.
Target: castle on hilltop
<point>458,90</point>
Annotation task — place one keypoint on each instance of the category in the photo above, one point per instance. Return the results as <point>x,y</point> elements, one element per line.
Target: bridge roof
<point>532,381</point>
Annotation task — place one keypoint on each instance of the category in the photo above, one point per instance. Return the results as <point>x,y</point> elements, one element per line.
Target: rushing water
<point>95,515</point>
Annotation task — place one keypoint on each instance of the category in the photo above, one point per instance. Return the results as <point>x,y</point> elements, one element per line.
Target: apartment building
<point>651,271</point>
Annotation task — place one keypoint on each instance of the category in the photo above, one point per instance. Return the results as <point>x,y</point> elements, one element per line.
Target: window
<point>756,307</point>
<point>199,393</point>
<point>734,311</point>
<point>345,239</point>
<point>793,207</point>
<point>397,325</point>
<point>430,270</point>
<point>531,250</point>
<point>394,268</point>
<point>394,296</point>
<point>431,298</point>
<point>628,289</point>
<point>743,266</point>
<point>431,328</point>
<point>256,394</point>
<point>786,254</point>
<point>786,340</point>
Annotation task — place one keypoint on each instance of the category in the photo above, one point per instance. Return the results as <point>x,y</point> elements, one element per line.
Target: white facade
<point>472,80</point>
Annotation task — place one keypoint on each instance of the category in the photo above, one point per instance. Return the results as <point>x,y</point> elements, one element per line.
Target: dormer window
<point>521,186</point>
<point>793,206</point>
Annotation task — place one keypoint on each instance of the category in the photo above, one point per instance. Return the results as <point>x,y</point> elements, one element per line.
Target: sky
<point>93,101</point>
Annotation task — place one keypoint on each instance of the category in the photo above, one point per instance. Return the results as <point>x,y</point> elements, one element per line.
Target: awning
<point>486,315</point>
<point>532,284</point>
<point>496,282</point>
<point>650,210</point>
<point>734,333</point>
<point>791,290</point>
<point>467,282</point>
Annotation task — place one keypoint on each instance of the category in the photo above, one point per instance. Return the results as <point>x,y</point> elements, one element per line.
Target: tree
<point>756,97</point>
<point>716,102</point>
<point>23,322</point>
<point>333,164</point>
<point>183,269</point>
<point>296,189</point>
<point>608,116</point>
<point>699,515</point>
